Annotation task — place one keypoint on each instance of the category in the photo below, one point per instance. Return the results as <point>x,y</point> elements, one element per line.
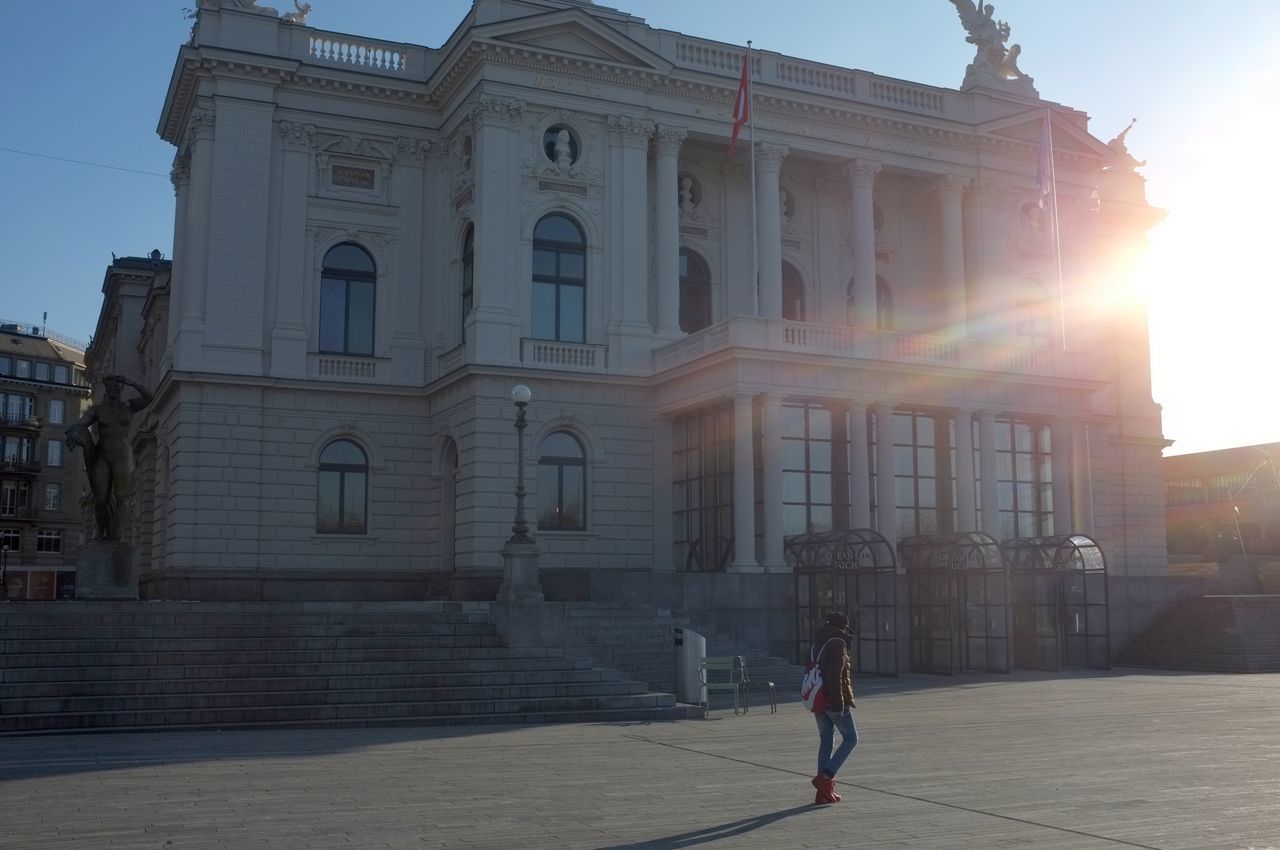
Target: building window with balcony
<point>792,294</point>
<point>695,292</point>
<point>559,280</point>
<point>54,455</point>
<point>49,540</point>
<point>342,493</point>
<point>57,411</point>
<point>16,408</point>
<point>347,301</point>
<point>702,490</point>
<point>468,276</point>
<point>53,497</point>
<point>14,498</point>
<point>16,450</point>
<point>562,483</point>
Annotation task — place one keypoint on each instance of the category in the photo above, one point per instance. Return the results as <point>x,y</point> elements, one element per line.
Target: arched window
<point>695,292</point>
<point>468,275</point>
<point>342,489</point>
<point>792,294</point>
<point>562,483</point>
<point>346,301</point>
<point>884,304</point>
<point>559,280</point>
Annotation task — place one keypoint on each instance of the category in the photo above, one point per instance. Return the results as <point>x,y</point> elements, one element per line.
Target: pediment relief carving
<point>571,32</point>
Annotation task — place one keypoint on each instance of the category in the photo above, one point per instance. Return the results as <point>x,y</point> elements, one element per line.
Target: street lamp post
<point>520,554</point>
<point>4,572</point>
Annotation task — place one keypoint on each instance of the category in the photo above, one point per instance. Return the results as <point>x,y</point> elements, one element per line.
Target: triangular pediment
<point>1029,127</point>
<point>573,32</point>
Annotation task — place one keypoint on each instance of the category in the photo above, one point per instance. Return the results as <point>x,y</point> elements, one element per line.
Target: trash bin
<point>690,648</point>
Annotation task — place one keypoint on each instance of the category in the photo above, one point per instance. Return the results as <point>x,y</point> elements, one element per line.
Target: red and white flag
<point>742,103</point>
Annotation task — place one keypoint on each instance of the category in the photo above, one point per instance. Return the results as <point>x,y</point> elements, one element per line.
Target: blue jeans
<point>828,722</point>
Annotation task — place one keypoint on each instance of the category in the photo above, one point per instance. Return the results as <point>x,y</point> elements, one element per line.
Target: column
<point>1082,478</point>
<point>663,455</point>
<point>966,507</point>
<point>771,482</point>
<point>768,166</point>
<point>744,496</point>
<point>950,191</point>
<point>289,323</point>
<point>494,327</point>
<point>989,491</point>
<point>629,327</point>
<point>1060,467</point>
<point>859,466</point>
<point>180,176</point>
<point>862,180</point>
<point>190,340</point>
<point>666,153</point>
<point>886,485</point>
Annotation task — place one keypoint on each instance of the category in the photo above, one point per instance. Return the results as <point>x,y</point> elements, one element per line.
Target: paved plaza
<point>1108,760</point>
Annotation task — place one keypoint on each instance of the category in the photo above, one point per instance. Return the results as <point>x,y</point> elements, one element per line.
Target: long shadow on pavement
<point>713,833</point>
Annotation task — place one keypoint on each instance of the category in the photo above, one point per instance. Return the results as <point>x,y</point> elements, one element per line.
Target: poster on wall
<point>66,584</point>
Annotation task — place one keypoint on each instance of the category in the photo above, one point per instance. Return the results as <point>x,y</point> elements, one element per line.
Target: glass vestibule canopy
<point>1059,602</point>
<point>958,593</point>
<point>852,571</point>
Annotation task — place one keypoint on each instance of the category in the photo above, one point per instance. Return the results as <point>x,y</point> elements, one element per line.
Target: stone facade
<point>375,241</point>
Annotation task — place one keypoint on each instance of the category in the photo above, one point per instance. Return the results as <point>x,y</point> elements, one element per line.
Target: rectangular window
<point>11,539</point>
<point>6,365</point>
<point>22,369</point>
<point>16,408</point>
<point>53,497</point>
<point>42,371</point>
<point>61,375</point>
<point>57,411</point>
<point>702,490</point>
<point>15,449</point>
<point>49,540</point>
<point>54,457</point>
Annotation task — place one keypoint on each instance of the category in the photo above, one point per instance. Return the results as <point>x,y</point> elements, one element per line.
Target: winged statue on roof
<point>989,36</point>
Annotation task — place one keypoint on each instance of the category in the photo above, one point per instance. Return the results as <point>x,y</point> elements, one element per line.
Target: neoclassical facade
<point>374,242</point>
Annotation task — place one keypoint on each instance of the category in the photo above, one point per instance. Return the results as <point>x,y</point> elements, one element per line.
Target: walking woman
<point>831,649</point>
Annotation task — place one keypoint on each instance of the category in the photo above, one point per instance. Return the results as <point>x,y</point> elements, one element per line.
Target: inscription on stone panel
<point>354,178</point>
<point>690,230</point>
<point>556,186</point>
<point>568,86</point>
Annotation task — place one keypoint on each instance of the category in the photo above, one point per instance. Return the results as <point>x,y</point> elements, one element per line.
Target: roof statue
<point>1126,159</point>
<point>298,17</point>
<point>993,60</point>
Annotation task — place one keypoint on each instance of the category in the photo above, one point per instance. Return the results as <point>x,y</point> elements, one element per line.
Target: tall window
<point>702,490</point>
<point>695,292</point>
<point>57,411</point>
<point>54,457</point>
<point>562,483</point>
<point>53,497</point>
<point>346,301</point>
<point>16,449</point>
<point>42,371</point>
<point>16,408</point>
<point>884,304</point>
<point>1024,479</point>
<point>792,294</point>
<point>1035,319</point>
<point>341,498</point>
<point>14,496</point>
<point>61,375</point>
<point>468,275</point>
<point>559,280</point>
<point>807,492</point>
<point>915,468</point>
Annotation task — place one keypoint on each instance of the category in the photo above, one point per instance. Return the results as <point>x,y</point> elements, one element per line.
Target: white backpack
<point>812,692</point>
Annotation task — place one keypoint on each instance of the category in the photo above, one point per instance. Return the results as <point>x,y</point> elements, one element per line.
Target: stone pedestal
<point>520,574</point>
<point>107,571</point>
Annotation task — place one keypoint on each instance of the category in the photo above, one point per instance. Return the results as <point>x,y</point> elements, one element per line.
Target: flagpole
<point>755,243</point>
<point>1057,235</point>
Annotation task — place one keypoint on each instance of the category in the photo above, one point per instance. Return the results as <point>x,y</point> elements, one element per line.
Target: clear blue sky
<point>86,81</point>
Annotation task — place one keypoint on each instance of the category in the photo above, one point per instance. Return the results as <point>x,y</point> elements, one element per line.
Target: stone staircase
<point>82,666</point>
<point>1220,634</point>
<point>639,642</point>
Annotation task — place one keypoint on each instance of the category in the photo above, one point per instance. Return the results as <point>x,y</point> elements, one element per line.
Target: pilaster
<point>769,165</point>
<point>744,474</point>
<point>288,357</point>
<point>667,143</point>
<point>861,175</point>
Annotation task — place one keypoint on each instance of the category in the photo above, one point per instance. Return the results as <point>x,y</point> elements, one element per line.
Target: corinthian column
<point>769,162</point>
<point>950,191</point>
<point>666,153</point>
<point>862,180</point>
<point>289,324</point>
<point>180,175</point>
<point>190,341</point>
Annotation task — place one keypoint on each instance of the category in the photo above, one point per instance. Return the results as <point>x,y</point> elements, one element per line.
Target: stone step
<point>264,656</point>
<point>16,649</point>
<point>130,687</point>
<point>258,630</point>
<point>338,712</point>
<point>513,662</point>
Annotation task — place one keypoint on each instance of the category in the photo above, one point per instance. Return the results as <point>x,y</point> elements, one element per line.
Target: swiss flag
<point>742,103</point>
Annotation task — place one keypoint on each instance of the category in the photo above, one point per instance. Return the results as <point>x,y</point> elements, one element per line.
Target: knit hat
<point>840,621</point>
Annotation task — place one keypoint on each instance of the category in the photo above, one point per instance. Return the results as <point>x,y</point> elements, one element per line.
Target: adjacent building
<point>375,241</point>
<point>42,390</point>
<point>1224,503</point>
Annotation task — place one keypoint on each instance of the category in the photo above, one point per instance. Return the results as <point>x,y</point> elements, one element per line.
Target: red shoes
<point>826,786</point>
